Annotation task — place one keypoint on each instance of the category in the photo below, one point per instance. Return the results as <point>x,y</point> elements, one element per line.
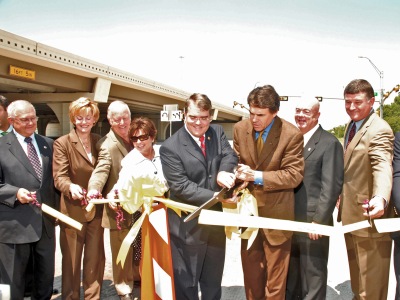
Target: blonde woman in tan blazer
<point>75,157</point>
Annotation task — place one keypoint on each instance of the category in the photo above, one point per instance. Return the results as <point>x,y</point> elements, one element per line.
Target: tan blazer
<point>111,151</point>
<point>72,165</point>
<point>282,164</point>
<point>367,171</point>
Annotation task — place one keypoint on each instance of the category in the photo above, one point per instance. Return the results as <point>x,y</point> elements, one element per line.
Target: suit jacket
<point>367,171</point>
<point>396,178</point>
<point>72,165</point>
<point>396,173</point>
<point>22,223</point>
<point>282,164</point>
<point>192,178</point>
<point>316,196</point>
<point>112,150</point>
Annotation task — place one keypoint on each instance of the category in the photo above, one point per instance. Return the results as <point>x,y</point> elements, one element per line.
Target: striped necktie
<point>34,158</point>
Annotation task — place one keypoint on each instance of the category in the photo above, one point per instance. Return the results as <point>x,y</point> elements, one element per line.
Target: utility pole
<point>380,73</point>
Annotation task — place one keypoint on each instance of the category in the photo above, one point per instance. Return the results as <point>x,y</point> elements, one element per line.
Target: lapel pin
<point>45,147</point>
<point>309,149</point>
<point>208,138</point>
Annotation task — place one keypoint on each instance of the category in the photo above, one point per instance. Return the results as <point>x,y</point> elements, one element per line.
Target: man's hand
<point>314,236</point>
<point>24,196</point>
<point>226,179</point>
<point>76,191</point>
<point>245,173</point>
<point>374,208</point>
<point>112,205</point>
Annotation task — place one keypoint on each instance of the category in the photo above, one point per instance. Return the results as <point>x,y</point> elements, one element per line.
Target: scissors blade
<point>205,205</point>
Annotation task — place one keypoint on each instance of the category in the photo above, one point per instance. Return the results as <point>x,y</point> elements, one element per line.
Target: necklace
<point>85,143</point>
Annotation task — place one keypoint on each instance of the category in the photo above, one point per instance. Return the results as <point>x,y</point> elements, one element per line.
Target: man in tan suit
<point>112,149</point>
<point>366,191</point>
<point>271,159</point>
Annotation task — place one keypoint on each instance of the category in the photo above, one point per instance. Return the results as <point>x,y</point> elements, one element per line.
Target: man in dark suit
<point>197,161</point>
<point>24,229</point>
<point>366,191</point>
<point>396,203</point>
<point>271,160</point>
<point>315,200</point>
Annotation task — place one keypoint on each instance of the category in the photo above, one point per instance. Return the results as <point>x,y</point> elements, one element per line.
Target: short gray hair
<point>18,105</point>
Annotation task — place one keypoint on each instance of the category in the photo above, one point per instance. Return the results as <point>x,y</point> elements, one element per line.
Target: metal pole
<point>380,73</point>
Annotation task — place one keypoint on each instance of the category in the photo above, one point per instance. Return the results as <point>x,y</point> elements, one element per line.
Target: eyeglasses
<point>142,138</point>
<point>195,119</point>
<point>27,120</point>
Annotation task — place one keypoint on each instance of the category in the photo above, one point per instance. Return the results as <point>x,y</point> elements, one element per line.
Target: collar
<point>307,136</point>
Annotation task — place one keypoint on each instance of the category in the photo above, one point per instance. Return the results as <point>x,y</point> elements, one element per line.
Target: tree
<point>391,114</point>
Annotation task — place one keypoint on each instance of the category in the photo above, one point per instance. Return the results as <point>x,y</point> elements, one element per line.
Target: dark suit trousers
<point>14,260</point>
<point>396,264</point>
<point>73,244</point>
<point>265,268</point>
<point>199,264</point>
<point>308,272</point>
<point>369,264</point>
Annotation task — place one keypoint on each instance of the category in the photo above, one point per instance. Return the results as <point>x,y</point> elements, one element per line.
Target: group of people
<point>294,172</point>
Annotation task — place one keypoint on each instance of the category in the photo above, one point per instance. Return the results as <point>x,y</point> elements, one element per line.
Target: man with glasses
<point>315,200</point>
<point>197,162</point>
<point>112,149</point>
<point>26,181</point>
<point>366,191</point>
<point>271,161</point>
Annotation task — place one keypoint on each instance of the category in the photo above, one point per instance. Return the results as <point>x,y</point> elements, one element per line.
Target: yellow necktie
<point>260,143</point>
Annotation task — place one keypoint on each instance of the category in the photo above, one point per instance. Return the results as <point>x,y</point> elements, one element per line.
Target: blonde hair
<point>85,105</point>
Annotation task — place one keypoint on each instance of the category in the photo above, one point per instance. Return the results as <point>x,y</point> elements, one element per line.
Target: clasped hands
<point>228,180</point>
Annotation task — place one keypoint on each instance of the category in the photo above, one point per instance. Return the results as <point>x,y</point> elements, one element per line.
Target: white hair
<point>15,107</point>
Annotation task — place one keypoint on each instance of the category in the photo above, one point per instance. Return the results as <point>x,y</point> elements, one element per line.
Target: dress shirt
<point>258,176</point>
<point>24,145</point>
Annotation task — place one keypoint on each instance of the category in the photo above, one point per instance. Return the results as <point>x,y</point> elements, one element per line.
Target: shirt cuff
<point>258,178</point>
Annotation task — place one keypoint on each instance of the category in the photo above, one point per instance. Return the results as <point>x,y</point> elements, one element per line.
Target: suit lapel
<point>250,142</point>
<point>272,140</point>
<point>356,139</point>
<point>191,146</point>
<point>19,153</point>
<point>46,155</point>
<point>312,143</point>
<point>119,142</point>
<point>73,137</point>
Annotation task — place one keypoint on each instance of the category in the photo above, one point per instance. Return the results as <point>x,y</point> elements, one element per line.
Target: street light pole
<point>380,73</point>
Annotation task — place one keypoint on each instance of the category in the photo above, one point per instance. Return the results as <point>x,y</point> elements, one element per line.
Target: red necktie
<point>203,145</point>
<point>34,158</point>
<point>352,133</point>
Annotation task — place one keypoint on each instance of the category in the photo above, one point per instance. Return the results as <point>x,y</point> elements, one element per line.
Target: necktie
<point>203,145</point>
<point>352,133</point>
<point>4,133</point>
<point>34,158</point>
<point>260,143</point>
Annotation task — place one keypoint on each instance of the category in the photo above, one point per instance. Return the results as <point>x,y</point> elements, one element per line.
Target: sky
<point>225,48</point>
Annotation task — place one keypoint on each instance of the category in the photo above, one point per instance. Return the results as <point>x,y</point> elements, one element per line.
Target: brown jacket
<point>72,165</point>
<point>282,164</point>
<point>111,152</point>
